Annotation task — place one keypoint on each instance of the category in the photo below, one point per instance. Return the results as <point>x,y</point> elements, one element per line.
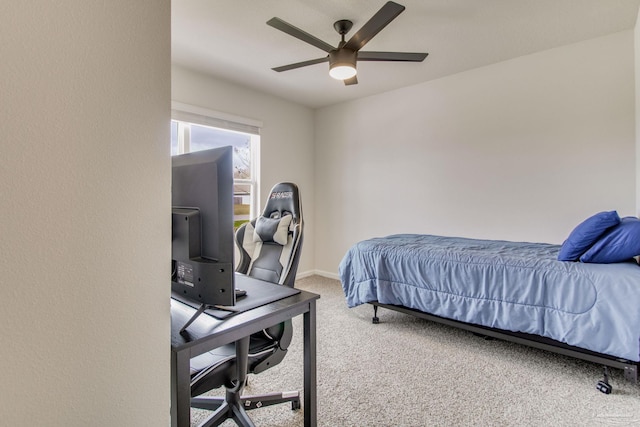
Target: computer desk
<point>207,333</point>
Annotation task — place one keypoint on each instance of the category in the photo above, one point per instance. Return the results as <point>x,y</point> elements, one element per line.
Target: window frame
<point>185,115</point>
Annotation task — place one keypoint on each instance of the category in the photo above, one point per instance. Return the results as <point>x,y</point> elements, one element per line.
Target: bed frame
<point>630,368</point>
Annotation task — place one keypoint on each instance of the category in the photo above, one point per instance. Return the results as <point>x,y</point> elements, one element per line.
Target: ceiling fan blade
<point>392,56</point>
<point>352,81</point>
<point>301,64</point>
<point>381,19</point>
<point>299,34</point>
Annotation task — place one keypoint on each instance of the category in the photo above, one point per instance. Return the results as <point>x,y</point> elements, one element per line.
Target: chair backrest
<point>270,244</point>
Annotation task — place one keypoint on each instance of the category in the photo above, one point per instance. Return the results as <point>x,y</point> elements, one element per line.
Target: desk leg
<point>180,389</point>
<point>310,392</point>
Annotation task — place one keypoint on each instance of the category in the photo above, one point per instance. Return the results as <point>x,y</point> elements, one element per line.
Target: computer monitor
<point>202,227</point>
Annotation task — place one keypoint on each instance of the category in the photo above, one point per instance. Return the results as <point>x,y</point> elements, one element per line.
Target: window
<point>196,132</point>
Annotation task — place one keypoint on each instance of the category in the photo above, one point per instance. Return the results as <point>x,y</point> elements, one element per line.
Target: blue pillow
<point>619,244</point>
<point>586,234</point>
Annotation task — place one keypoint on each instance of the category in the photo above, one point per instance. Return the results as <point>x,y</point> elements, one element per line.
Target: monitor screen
<point>202,226</point>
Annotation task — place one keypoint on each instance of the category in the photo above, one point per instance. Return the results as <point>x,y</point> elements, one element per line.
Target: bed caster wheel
<point>604,387</point>
<point>375,319</point>
<point>295,404</point>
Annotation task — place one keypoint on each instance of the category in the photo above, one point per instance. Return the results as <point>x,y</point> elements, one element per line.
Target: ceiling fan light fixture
<point>342,64</point>
<point>342,72</point>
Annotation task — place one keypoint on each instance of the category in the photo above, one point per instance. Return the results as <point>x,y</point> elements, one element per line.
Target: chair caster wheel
<point>375,320</point>
<point>604,387</point>
<point>295,404</point>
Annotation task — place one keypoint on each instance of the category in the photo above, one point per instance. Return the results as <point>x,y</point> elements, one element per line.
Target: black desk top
<point>263,303</point>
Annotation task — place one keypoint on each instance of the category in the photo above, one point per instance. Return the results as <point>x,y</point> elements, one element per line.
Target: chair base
<point>233,406</point>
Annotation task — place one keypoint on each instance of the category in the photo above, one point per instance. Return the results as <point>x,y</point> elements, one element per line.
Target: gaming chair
<point>269,249</point>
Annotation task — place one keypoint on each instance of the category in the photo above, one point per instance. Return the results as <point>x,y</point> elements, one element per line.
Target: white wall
<point>519,150</point>
<point>85,190</point>
<point>286,139</point>
<point>636,45</point>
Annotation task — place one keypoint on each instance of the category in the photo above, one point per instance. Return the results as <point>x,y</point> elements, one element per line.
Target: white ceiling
<point>229,39</point>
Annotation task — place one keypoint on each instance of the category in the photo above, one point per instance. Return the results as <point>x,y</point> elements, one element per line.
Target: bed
<point>516,291</point>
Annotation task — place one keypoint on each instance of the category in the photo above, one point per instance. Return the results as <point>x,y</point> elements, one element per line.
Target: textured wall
<point>84,229</point>
<point>636,44</point>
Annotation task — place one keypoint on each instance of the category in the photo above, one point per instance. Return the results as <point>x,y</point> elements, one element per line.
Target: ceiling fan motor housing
<point>342,59</point>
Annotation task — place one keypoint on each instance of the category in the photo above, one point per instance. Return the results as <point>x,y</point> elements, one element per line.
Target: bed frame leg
<point>603,385</point>
<point>631,374</point>
<point>375,319</point>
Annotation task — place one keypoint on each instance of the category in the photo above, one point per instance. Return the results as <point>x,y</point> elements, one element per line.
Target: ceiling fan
<point>342,59</point>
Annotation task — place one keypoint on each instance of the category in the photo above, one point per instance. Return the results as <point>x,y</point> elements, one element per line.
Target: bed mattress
<point>514,286</point>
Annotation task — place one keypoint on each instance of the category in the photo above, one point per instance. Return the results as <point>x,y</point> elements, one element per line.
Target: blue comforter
<point>513,286</point>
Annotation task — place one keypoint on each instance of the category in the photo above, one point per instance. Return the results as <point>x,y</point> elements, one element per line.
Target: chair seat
<point>212,357</point>
<point>215,368</point>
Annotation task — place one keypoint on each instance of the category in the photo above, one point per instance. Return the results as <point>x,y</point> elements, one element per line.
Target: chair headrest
<point>284,199</point>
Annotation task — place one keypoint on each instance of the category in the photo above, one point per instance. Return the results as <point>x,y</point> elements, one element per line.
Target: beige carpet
<point>411,372</point>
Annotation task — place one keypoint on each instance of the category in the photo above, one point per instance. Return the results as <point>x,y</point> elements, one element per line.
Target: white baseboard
<point>326,274</point>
